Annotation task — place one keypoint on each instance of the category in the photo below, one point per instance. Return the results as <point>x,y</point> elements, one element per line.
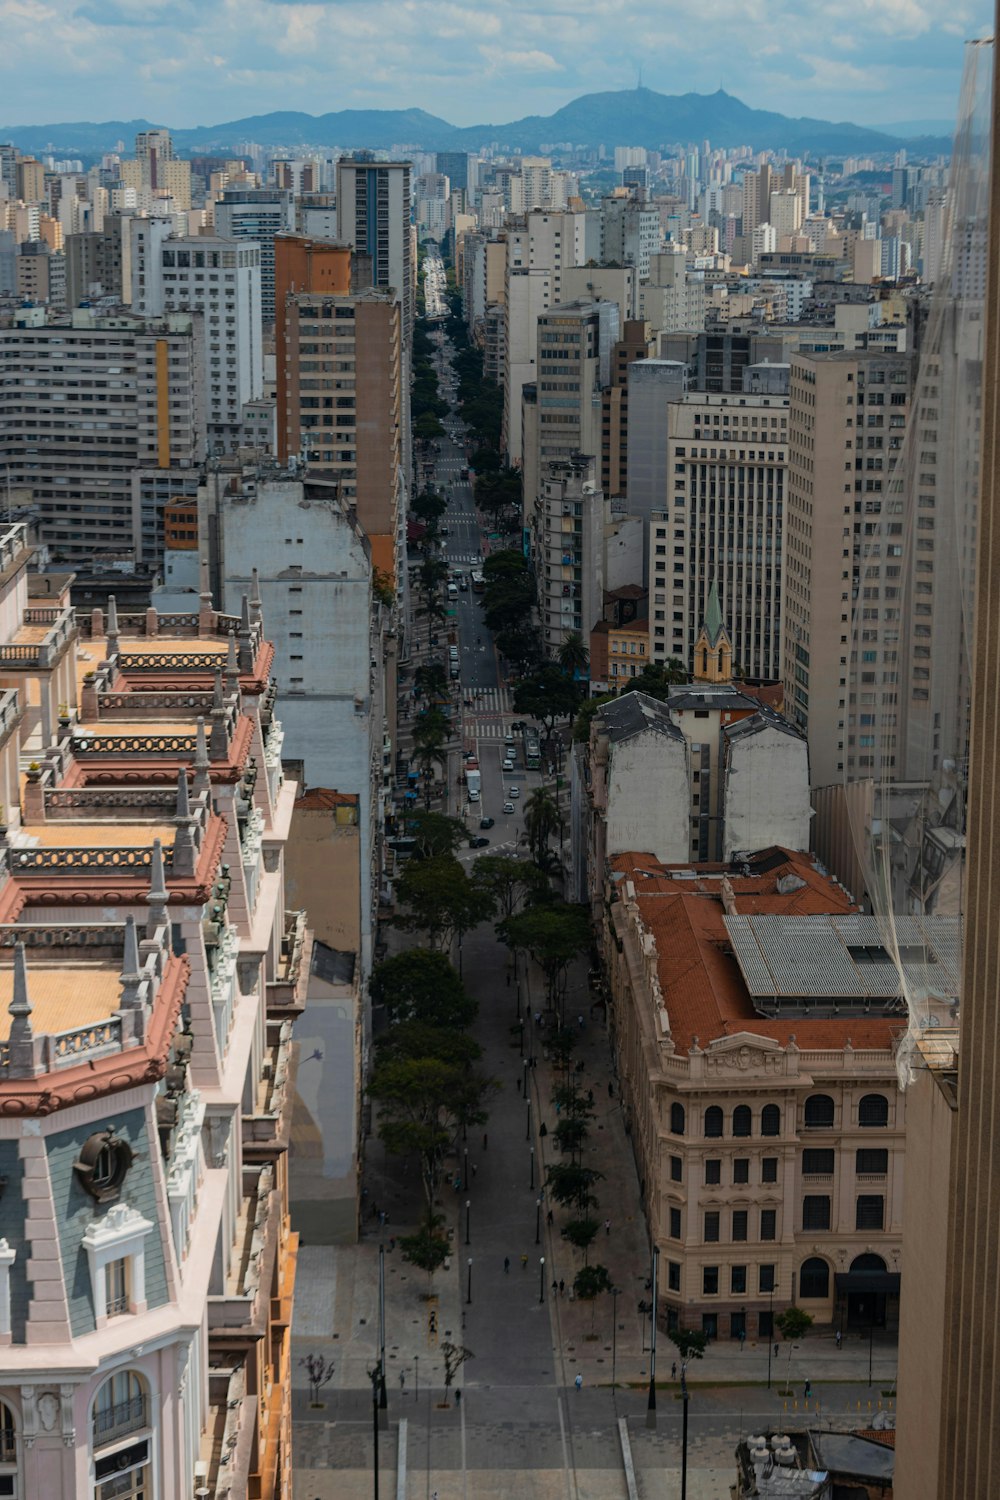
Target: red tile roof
<point>702,986</point>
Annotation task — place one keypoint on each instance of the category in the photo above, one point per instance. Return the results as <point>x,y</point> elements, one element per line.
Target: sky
<point>189,62</point>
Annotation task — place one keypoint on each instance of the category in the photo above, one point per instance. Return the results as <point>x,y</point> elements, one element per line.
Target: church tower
<point>713,650</point>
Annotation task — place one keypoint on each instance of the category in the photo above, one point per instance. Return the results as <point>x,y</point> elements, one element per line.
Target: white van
<point>453,591</point>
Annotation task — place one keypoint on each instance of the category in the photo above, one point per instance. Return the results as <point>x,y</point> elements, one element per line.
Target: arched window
<point>8,1442</point>
<point>868,1262</point>
<point>814,1278</point>
<point>713,1121</point>
<point>819,1111</point>
<point>742,1120</point>
<point>770,1120</point>
<point>873,1110</point>
<point>121,1408</point>
<point>677,1119</point>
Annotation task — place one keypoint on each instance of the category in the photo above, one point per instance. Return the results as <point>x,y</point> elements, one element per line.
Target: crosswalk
<point>490,701</point>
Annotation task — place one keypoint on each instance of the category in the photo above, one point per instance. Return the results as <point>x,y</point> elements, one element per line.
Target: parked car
<point>478,843</point>
<point>486,822</point>
<point>508,807</point>
<point>508,764</point>
<point>513,791</point>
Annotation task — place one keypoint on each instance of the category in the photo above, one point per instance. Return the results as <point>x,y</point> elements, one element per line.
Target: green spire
<point>713,615</point>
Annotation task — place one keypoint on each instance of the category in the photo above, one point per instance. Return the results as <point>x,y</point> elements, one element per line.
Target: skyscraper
<point>257,214</point>
<point>373,216</point>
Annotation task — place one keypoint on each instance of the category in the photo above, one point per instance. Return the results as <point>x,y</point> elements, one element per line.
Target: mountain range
<point>636,117</point>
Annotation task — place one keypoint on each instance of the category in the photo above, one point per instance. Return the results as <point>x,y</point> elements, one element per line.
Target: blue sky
<point>186,63</point>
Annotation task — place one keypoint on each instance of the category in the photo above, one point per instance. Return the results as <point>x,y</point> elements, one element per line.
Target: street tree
<point>454,1356</point>
<point>510,882</point>
<point>429,506</point>
<point>570,1102</point>
<point>691,1342</point>
<point>588,1284</point>
<point>794,1323</point>
<point>428,1248</point>
<point>585,715</point>
<point>573,656</point>
<point>657,678</point>
<point>570,1184</point>
<point>561,1045</point>
<point>408,1040</point>
<point>581,1234</point>
<point>319,1372</point>
<point>431,679</point>
<point>520,644</point>
<point>554,935</point>
<point>435,833</point>
<point>423,1103</point>
<point>546,695</point>
<point>571,1135</point>
<point>427,428</point>
<point>439,899</point>
<point>541,819</point>
<point>421,985</point>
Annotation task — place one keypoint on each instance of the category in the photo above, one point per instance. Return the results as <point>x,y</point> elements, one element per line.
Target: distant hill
<point>634,117</point>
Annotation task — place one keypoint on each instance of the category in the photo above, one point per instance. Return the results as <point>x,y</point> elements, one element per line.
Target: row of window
<point>819,1113</point>
<point>868,1161</point>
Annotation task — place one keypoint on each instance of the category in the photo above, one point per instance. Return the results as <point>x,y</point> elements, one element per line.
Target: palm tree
<point>573,655</point>
<point>541,818</point>
<point>430,735</point>
<point>432,679</point>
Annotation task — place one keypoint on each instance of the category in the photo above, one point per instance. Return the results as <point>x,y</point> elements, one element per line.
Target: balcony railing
<point>112,1422</point>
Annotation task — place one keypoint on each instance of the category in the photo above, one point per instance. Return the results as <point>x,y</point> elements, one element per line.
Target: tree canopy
<point>421,985</point>
<point>440,899</point>
<point>510,882</point>
<point>552,934</point>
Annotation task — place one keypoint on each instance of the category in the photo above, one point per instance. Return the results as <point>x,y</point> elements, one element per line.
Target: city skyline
<point>875,66</point>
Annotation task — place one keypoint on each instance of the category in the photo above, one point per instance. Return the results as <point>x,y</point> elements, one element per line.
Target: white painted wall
<point>648,797</point>
<point>766,792</point>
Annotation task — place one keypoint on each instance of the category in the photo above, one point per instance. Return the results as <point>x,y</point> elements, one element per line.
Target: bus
<point>478,582</point>
<point>532,750</point>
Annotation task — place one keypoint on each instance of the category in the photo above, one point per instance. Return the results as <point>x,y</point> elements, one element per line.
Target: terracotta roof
<point>884,1435</point>
<point>704,992</point>
<point>317,798</point>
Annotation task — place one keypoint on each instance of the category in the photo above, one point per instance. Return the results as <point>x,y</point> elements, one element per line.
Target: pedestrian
<point>524,1262</point>
<point>743,1339</point>
<point>402,1379</point>
<point>562,1287</point>
<point>519,1083</point>
<point>508,981</point>
<point>579,1021</point>
<point>543,1129</point>
<point>839,1337</point>
<point>808,1390</point>
<point>607,1226</point>
<point>776,1351</point>
<point>485,1140</point>
<point>590,1097</point>
<point>381,1217</point>
<point>549,1217</point>
<point>458,1396</point>
<point>578,1382</point>
<point>392,1242</point>
<point>555,1286</point>
<point>475,1169</point>
<point>611,1090</point>
<point>673,1370</point>
<point>506,1265</point>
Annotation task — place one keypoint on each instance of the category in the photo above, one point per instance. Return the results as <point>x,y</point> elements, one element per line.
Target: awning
<point>868,1281</point>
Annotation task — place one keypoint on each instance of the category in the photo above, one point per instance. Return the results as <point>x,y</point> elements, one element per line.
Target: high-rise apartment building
<point>634,344</point>
<point>721,527</point>
<point>156,170</point>
<point>220,279</point>
<point>94,264</point>
<point>257,214</point>
<point>568,549</point>
<point>844,526</point>
<point>573,364</point>
<point>630,234</point>
<point>342,408</point>
<point>373,217</point>
<point>85,400</point>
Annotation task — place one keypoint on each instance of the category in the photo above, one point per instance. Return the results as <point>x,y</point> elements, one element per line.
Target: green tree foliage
<point>588,1284</point>
<point>428,1249</point>
<point>570,1184</point>
<point>585,715</point>
<point>691,1342</point>
<point>541,820</point>
<point>440,900</point>
<point>431,679</point>
<point>415,1039</point>
<point>657,678</point>
<point>580,1233</point>
<point>429,506</point>
<point>573,656</point>
<point>793,1323</point>
<point>435,833</point>
<point>571,1135</point>
<point>423,1103</point>
<point>509,596</point>
<point>427,428</point>
<point>553,935</point>
<point>421,985</point>
<point>520,644</point>
<point>510,882</point>
<point>546,695</point>
<point>571,1102</point>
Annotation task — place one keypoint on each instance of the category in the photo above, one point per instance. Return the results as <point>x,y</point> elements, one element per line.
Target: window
<point>673,1275</point>
<point>738,1281</point>
<point>769,1169</point>
<point>8,1442</point>
<point>742,1120</point>
<point>676,1169</point>
<point>713,1171</point>
<point>116,1287</point>
<point>768,1223</point>
<point>816,1211</point>
<point>765,1278</point>
<point>817,1163</point>
<point>819,1112</point>
<point>872,1160</point>
<point>770,1120</point>
<point>711,1228</point>
<point>677,1119</point>
<point>814,1278</point>
<point>103,1164</point>
<point>121,1408</point>
<point>675,1223</point>
<point>709,1281</point>
<point>740,1221</point>
<point>870,1211</point>
<point>713,1121</point>
<point>873,1110</point>
<point>741,1169</point>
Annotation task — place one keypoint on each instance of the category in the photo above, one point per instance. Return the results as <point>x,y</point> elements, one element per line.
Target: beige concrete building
<point>768,1129</point>
<point>156,170</point>
<point>844,540</point>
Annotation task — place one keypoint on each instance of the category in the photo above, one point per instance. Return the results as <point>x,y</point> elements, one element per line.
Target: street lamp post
<point>468,1219</point>
<point>770,1334</point>
<point>538,1221</point>
<point>524,1065</point>
<point>376,1380</point>
<point>465,1169</point>
<point>615,1294</point>
<point>527,1131</point>
<point>651,1398</point>
<point>541,1278</point>
<point>468,1290</point>
<point>684,1430</point>
<point>531,1184</point>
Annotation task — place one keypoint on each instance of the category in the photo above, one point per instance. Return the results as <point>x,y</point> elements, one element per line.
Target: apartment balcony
<point>286,990</point>
<point>240,1313</point>
<point>266,1130</point>
<point>41,641</point>
<point>110,1423</point>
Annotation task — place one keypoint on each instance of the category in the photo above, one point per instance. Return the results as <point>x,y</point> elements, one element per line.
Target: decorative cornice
<point>133,770</point>
<point>112,1073</point>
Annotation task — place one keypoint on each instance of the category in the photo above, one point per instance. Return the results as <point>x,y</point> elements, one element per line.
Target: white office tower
<point>219,278</point>
<point>257,214</point>
<point>373,216</point>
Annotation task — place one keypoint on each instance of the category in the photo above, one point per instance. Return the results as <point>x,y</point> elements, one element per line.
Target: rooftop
<point>64,997</point>
<point>685,908</point>
<point>634,713</point>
